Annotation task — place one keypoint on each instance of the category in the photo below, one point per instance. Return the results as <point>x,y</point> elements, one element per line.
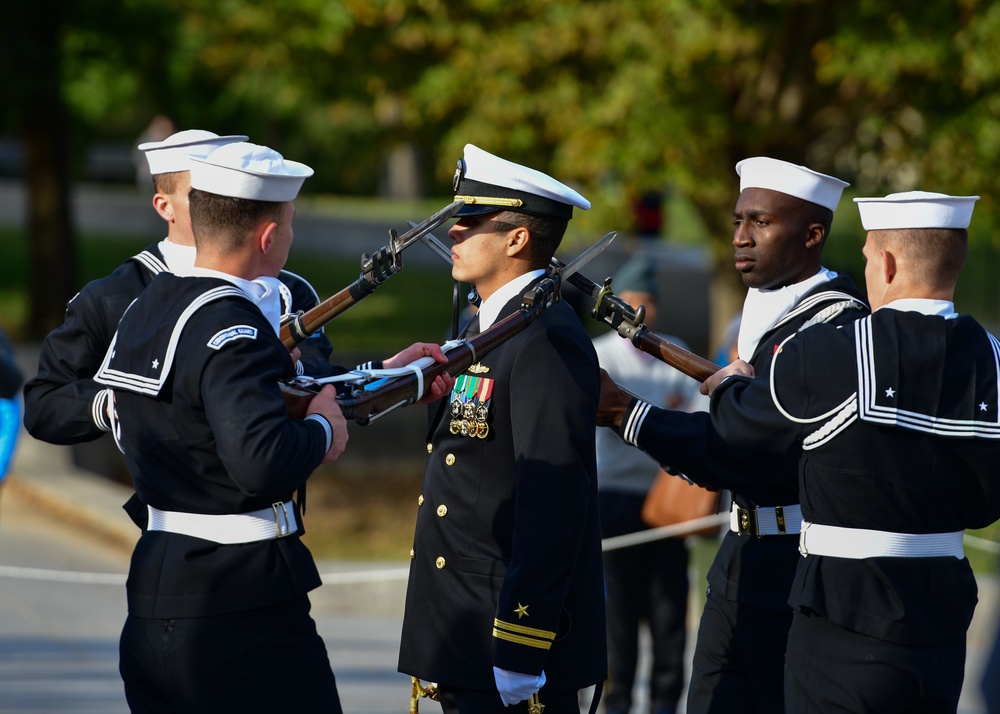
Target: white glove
<point>515,687</point>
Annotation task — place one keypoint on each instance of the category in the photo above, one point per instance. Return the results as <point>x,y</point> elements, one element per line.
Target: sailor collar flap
<point>145,367</point>
<point>152,262</point>
<point>914,372</point>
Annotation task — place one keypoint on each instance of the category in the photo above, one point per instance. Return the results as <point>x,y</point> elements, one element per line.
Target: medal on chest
<point>470,406</point>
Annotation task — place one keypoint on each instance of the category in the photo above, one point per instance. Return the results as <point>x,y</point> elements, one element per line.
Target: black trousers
<point>833,670</point>
<point>646,582</point>
<point>739,659</point>
<point>269,660</point>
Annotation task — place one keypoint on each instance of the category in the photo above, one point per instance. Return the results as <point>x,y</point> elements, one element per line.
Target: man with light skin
<point>62,403</point>
<point>218,610</point>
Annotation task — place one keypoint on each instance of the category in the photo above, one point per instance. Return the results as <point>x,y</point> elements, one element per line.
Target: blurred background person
<point>10,404</point>
<point>648,582</point>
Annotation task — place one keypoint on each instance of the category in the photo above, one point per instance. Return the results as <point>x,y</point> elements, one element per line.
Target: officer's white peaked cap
<point>488,183</point>
<point>792,179</point>
<point>916,209</point>
<point>173,153</point>
<point>250,171</point>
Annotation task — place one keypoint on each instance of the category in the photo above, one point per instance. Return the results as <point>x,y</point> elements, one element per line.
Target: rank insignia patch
<point>470,406</point>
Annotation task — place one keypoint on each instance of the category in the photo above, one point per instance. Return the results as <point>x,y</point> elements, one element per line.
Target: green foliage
<point>415,305</point>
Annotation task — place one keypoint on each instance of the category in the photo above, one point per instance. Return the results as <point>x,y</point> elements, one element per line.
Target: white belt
<point>765,520</point>
<point>277,521</point>
<point>860,543</point>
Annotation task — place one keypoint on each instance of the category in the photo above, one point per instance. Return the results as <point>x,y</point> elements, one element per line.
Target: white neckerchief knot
<point>268,298</point>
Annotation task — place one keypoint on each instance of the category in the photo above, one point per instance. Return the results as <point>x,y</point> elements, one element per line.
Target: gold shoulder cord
<point>418,691</point>
<point>535,706</point>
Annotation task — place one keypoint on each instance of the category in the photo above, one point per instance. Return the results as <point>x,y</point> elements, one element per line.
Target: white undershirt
<point>763,309</point>
<point>925,306</point>
<point>179,258</point>
<point>491,307</point>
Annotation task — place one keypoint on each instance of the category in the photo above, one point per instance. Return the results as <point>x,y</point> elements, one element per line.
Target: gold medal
<point>483,430</point>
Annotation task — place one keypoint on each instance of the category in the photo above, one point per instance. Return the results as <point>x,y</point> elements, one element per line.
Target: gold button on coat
<point>430,448</point>
<point>450,459</point>
<point>442,510</point>
<point>420,500</point>
<point>413,554</point>
<point>439,562</point>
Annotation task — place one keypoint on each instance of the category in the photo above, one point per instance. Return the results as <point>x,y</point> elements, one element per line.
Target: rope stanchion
<point>389,574</point>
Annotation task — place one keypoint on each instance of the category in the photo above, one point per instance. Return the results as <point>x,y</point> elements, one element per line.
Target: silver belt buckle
<point>282,527</point>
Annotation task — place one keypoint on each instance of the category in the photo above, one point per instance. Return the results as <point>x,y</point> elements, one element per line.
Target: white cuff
<point>321,420</point>
<point>100,409</point>
<point>632,423</point>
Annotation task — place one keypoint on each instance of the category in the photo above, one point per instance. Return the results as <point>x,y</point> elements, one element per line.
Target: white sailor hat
<point>251,171</point>
<point>795,180</point>
<point>172,154</point>
<point>488,183</point>
<point>916,209</point>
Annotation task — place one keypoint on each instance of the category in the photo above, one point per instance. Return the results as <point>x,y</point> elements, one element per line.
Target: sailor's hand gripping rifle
<point>368,395</point>
<point>375,269</point>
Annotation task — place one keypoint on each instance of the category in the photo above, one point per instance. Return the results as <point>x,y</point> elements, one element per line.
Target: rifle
<point>366,397</point>
<point>375,269</point>
<point>621,317</point>
<point>628,322</point>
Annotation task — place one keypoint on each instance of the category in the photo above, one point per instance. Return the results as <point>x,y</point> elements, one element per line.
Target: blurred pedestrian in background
<point>648,582</point>
<point>10,402</point>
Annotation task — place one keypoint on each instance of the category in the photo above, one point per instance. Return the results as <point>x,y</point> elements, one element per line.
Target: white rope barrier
<point>390,574</point>
<point>677,529</point>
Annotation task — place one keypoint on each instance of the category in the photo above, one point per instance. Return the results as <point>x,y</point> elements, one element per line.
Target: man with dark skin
<point>781,221</point>
<point>894,422</point>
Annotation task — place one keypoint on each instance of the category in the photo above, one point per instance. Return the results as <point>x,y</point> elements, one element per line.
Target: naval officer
<point>505,594</point>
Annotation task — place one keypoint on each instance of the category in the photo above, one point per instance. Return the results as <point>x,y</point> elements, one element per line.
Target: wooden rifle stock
<point>363,405</point>
<point>627,321</point>
<point>298,327</point>
<point>365,401</point>
<point>680,359</point>
<point>375,270</point>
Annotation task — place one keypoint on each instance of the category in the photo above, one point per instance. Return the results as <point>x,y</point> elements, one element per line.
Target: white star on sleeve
<point>890,392</point>
<point>982,406</point>
<point>156,363</point>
